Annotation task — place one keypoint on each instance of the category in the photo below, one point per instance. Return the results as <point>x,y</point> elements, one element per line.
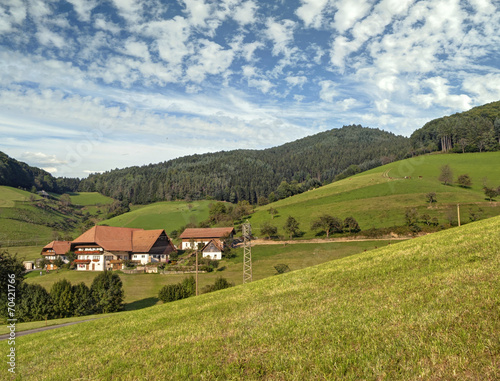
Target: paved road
<point>35,330</point>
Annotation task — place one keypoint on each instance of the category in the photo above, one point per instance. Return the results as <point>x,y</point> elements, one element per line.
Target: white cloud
<point>281,34</point>
<point>296,80</point>
<point>328,91</point>
<point>311,12</point>
<point>83,8</point>
<point>12,14</point>
<point>349,12</point>
<point>198,11</point>
<point>211,58</point>
<point>171,38</point>
<point>245,13</point>
<point>49,38</point>
<point>102,23</point>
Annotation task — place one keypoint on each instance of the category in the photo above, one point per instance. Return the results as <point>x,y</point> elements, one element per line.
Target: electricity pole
<point>247,252</point>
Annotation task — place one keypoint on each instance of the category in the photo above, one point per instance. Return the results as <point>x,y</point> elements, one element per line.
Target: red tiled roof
<point>111,238</point>
<point>145,239</point>
<point>59,247</point>
<point>206,233</point>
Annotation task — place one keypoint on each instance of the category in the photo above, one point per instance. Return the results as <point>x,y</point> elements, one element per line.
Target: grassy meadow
<point>168,215</point>
<point>426,308</point>
<point>378,198</point>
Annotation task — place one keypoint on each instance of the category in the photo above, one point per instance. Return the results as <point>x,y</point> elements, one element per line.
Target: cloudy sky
<point>92,85</point>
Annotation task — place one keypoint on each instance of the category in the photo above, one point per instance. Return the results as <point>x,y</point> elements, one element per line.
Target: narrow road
<point>35,330</point>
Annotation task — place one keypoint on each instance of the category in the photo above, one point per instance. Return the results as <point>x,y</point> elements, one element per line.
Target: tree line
<point>33,302</point>
<point>476,130</point>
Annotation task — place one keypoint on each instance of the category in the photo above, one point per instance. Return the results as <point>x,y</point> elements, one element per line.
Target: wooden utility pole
<point>458,213</point>
<point>196,253</point>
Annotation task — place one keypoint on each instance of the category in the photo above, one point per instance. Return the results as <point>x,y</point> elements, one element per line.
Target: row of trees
<point>33,302</point>
<point>324,224</point>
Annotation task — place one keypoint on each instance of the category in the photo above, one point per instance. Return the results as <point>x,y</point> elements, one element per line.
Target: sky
<point>88,86</point>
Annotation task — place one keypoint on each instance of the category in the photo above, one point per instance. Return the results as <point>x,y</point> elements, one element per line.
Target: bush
<point>220,284</point>
<point>107,292</point>
<point>173,292</point>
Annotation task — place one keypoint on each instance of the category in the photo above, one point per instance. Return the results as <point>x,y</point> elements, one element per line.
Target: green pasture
<point>90,198</point>
<point>378,198</point>
<point>9,196</point>
<point>168,215</point>
<point>426,308</point>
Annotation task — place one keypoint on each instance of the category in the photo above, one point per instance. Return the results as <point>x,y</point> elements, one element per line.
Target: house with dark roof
<point>192,238</point>
<point>107,247</point>
<point>213,249</point>
<point>54,250</point>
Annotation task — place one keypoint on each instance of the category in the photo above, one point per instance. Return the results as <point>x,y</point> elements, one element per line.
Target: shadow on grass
<point>140,304</point>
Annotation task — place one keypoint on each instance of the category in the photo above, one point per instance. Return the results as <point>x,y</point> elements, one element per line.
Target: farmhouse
<point>54,250</point>
<point>192,238</point>
<point>107,247</point>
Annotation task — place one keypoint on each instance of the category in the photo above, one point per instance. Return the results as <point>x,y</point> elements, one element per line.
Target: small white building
<point>213,249</point>
<point>193,238</point>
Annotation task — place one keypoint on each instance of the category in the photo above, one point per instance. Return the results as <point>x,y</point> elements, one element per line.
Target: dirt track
<point>257,242</point>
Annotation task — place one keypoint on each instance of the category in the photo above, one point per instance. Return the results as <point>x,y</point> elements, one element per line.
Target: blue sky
<point>88,86</point>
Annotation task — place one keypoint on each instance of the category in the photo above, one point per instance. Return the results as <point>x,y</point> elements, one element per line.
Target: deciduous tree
<point>446,175</point>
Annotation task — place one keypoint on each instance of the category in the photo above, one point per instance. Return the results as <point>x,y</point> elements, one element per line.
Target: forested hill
<point>475,130</point>
<point>17,174</point>
<point>250,174</point>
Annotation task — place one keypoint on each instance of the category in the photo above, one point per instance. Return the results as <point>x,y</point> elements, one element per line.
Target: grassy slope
<point>9,195</point>
<point>426,308</point>
<point>163,215</point>
<point>376,200</point>
<point>90,198</point>
<point>15,232</point>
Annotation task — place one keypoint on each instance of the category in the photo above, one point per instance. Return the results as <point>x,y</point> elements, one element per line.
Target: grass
<point>26,253</point>
<point>426,308</point>
<point>378,198</point>
<point>168,215</point>
<point>90,199</point>
<point>9,196</point>
<point>23,223</point>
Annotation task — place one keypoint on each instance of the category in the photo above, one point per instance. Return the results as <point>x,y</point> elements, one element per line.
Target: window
<point>96,257</point>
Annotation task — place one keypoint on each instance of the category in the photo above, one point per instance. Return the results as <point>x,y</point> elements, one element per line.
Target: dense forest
<point>251,174</point>
<point>476,130</point>
<point>17,174</point>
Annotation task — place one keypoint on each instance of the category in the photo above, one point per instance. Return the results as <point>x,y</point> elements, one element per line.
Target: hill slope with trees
<point>249,174</point>
<point>18,174</point>
<point>476,130</point>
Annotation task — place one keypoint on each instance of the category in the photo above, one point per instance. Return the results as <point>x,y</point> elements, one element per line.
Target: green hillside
<point>168,215</point>
<point>378,198</point>
<point>9,195</point>
<point>426,308</point>
<point>27,219</point>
